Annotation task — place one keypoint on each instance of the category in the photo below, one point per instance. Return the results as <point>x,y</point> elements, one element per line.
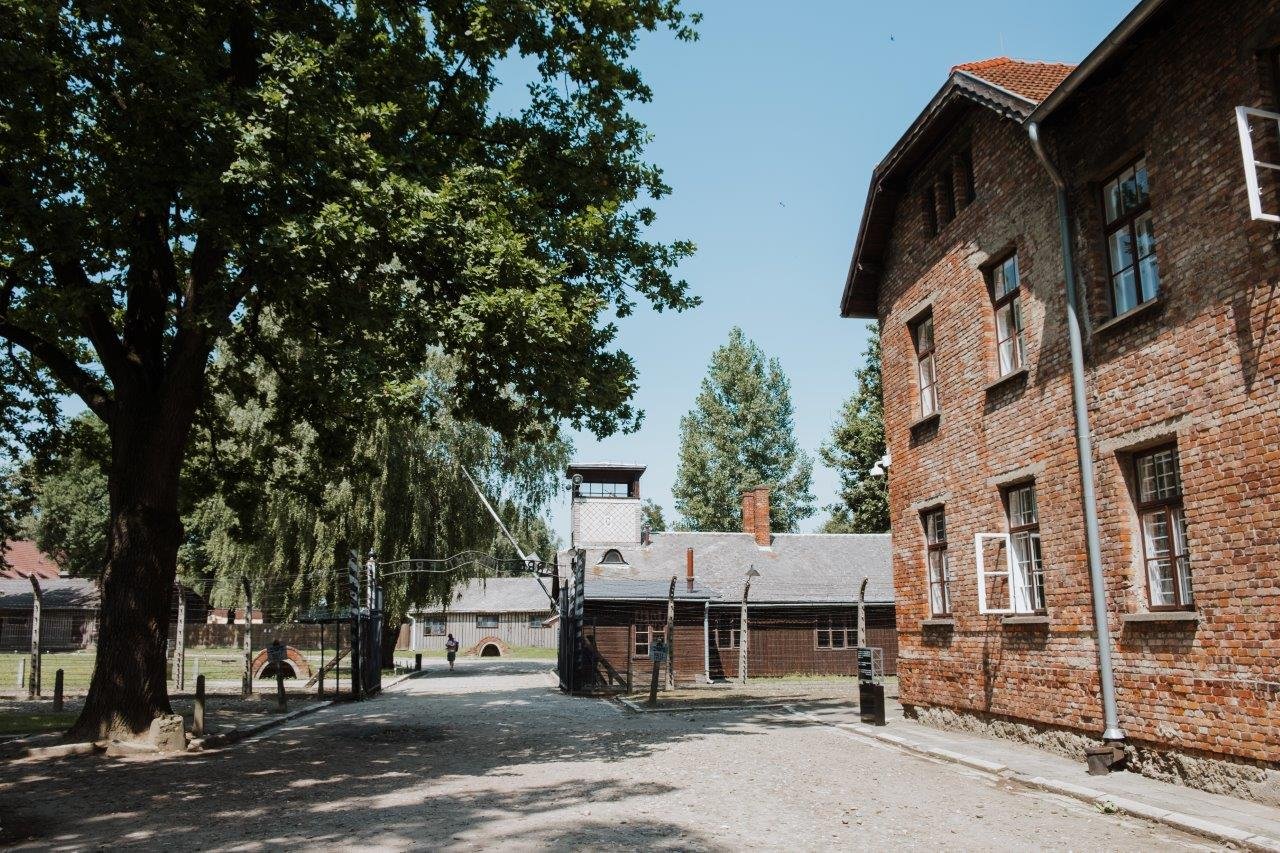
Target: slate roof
<point>56,593</point>
<point>498,595</point>
<point>22,558</point>
<point>803,568</point>
<point>609,589</point>
<point>1032,80</point>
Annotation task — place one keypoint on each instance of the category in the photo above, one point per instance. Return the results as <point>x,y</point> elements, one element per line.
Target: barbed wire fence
<point>319,618</point>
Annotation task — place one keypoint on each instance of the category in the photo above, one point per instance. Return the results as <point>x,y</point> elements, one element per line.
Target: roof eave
<point>861,302</point>
<point>1096,58</point>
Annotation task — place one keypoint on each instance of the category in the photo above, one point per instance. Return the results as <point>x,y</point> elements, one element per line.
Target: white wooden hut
<point>513,610</point>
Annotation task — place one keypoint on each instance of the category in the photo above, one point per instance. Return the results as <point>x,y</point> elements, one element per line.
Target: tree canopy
<point>740,434</point>
<point>855,446</point>
<point>653,515</point>
<point>326,189</point>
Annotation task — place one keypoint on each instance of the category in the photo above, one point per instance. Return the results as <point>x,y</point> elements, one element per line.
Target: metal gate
<point>366,628</point>
<point>570,657</point>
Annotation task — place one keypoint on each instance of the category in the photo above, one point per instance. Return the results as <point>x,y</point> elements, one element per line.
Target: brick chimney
<point>755,515</point>
<point>688,571</point>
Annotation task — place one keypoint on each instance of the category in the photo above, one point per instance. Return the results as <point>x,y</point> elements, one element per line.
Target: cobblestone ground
<point>493,756</point>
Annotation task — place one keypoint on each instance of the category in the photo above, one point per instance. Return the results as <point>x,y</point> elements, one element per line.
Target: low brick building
<point>802,604</point>
<point>962,256</point>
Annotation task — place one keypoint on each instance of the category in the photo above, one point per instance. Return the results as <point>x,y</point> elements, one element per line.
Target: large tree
<point>856,445</point>
<point>741,434</point>
<point>326,188</point>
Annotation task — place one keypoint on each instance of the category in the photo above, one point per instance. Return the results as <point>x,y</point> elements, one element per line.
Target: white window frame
<point>1009,571</point>
<point>1252,163</point>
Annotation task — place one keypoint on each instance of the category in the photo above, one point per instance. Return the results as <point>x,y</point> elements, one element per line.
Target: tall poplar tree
<point>856,445</point>
<point>740,434</point>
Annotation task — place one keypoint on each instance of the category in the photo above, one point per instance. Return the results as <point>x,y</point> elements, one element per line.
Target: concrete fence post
<point>33,686</point>
<point>197,711</point>
<point>180,643</point>
<point>246,686</point>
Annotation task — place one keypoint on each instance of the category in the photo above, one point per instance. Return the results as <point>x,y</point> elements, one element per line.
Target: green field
<point>215,664</point>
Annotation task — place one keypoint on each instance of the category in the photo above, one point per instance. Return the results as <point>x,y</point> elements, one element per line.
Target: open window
<point>1259,146</point>
<point>996,575</point>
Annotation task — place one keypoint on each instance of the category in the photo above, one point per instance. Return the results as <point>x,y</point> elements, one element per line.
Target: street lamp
<point>742,627</point>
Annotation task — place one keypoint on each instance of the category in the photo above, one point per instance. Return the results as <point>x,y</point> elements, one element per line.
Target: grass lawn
<point>214,663</point>
<point>25,724</point>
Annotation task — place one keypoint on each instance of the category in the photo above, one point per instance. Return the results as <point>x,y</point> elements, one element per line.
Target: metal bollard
<point>57,690</point>
<point>417,663</point>
<point>197,714</point>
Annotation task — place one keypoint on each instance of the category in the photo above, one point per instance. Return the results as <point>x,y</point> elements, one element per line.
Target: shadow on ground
<point>438,761</point>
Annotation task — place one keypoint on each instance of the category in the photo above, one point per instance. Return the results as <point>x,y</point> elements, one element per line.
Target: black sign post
<point>870,693</point>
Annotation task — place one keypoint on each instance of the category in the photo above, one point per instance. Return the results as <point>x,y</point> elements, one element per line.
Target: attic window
<point>964,172</point>
<point>929,207</point>
<point>613,557</point>
<point>947,197</point>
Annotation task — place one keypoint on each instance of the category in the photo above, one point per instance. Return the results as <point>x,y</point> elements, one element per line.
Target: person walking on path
<point>451,650</point>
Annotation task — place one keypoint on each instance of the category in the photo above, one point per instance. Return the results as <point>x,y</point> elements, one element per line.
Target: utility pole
<point>744,642</point>
<point>862,614</point>
<point>671,635</point>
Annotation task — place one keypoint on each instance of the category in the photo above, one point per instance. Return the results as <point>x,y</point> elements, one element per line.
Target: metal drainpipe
<point>706,640</point>
<point>1084,449</point>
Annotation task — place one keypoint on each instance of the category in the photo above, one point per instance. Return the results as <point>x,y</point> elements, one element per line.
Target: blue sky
<point>768,128</point>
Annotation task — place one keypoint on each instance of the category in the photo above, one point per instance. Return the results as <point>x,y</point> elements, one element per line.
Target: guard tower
<point>606,504</point>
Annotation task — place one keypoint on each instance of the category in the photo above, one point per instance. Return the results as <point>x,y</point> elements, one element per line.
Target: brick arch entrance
<point>489,647</point>
<point>295,665</point>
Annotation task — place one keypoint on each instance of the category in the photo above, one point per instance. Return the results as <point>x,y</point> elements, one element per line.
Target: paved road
<point>493,756</point>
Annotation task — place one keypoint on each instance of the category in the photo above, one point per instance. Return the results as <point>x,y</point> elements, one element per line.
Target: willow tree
<point>402,493</point>
<point>325,186</point>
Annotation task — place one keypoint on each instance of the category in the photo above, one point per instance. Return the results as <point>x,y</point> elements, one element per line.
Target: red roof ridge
<point>1032,80</point>
<point>997,61</point>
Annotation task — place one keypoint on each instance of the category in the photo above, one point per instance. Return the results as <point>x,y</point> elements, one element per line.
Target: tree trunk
<point>128,688</point>
<point>390,635</point>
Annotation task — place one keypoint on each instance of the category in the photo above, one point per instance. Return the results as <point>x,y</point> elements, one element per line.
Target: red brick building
<point>802,602</point>
<point>961,257</point>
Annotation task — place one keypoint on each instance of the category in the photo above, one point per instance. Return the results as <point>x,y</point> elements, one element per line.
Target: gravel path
<point>493,756</point>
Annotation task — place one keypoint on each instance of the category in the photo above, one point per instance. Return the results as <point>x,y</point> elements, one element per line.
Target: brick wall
<point>783,641</point>
<point>1201,368</point>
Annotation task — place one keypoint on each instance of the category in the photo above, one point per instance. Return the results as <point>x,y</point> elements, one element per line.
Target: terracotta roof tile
<point>1033,80</point>
<point>23,559</point>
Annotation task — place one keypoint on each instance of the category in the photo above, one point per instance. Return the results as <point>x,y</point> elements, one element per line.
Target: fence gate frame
<point>570,657</point>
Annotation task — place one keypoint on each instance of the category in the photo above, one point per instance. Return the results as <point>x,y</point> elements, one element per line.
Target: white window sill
<point>1144,308</point>
<point>1026,619</point>
<point>938,623</point>
<point>925,421</point>
<point>1011,376</point>
<point>1161,616</point>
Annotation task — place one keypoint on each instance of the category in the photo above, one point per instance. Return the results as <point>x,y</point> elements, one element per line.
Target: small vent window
<point>613,557</point>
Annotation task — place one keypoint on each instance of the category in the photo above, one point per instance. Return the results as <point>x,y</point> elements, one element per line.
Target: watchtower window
<point>604,490</point>
<point>613,557</point>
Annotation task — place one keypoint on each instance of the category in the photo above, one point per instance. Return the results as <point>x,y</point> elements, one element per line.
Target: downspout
<point>1084,450</point>
<point>706,640</point>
